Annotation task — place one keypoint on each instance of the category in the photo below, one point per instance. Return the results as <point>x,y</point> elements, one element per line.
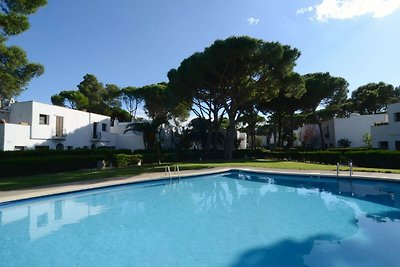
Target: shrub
<point>123,160</point>
<point>344,143</point>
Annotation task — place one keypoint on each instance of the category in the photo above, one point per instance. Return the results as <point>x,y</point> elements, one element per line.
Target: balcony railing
<point>96,136</point>
<point>59,133</point>
<point>381,123</point>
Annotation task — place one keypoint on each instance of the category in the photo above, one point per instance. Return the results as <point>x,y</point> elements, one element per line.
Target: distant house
<point>33,125</point>
<point>352,128</point>
<point>386,133</point>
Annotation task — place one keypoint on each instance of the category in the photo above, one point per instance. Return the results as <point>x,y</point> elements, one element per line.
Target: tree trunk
<point>280,139</point>
<point>291,136</point>
<point>206,148</point>
<point>215,131</point>
<point>321,132</point>
<point>230,137</point>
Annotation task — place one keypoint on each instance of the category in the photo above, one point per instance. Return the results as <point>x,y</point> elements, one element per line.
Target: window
<point>42,220</point>
<point>42,147</point>
<point>19,148</point>
<point>397,145</point>
<point>104,127</point>
<point>384,145</point>
<point>59,146</point>
<point>44,119</point>
<point>397,116</point>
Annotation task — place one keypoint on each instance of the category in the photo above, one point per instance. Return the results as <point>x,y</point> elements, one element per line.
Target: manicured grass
<point>50,179</point>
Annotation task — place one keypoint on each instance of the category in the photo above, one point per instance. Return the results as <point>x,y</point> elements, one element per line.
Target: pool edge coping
<point>12,196</point>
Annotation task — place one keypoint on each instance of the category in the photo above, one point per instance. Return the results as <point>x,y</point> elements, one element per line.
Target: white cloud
<point>253,21</point>
<point>347,9</point>
<point>305,10</point>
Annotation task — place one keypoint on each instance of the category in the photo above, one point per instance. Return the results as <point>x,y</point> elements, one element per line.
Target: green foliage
<point>37,165</point>
<point>373,98</point>
<point>344,143</point>
<point>367,140</point>
<point>123,160</point>
<point>131,97</point>
<point>93,96</point>
<point>30,162</point>
<point>229,77</point>
<point>374,158</point>
<point>15,71</point>
<point>14,16</point>
<point>149,131</point>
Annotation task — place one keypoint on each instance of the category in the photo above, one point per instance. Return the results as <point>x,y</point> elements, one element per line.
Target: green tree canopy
<point>131,98</point>
<point>374,97</point>
<point>14,15</point>
<point>231,75</point>
<point>323,91</point>
<point>15,69</point>
<point>93,96</point>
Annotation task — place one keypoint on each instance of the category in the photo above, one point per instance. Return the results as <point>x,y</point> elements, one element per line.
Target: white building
<point>352,128</point>
<point>33,125</point>
<point>386,134</point>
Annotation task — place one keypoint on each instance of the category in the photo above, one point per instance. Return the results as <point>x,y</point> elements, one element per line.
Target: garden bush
<point>123,160</point>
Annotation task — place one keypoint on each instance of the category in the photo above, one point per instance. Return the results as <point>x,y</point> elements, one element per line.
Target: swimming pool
<point>233,218</point>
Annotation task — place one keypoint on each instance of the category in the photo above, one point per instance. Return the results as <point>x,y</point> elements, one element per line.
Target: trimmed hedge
<point>375,158</point>
<point>31,162</point>
<point>38,165</point>
<point>123,160</point>
<point>360,157</point>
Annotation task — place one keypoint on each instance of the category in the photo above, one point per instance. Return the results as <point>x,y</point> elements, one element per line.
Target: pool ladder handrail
<point>350,175</point>
<point>167,171</point>
<point>177,172</point>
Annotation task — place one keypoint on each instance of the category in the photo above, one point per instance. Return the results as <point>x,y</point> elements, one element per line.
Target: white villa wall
<point>129,140</point>
<point>352,128</point>
<point>388,132</point>
<point>77,125</point>
<point>21,113</point>
<point>15,135</point>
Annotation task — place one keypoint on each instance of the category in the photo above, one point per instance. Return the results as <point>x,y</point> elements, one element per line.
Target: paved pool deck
<point>14,195</point>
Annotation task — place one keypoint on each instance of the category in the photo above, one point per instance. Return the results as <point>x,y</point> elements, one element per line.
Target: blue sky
<point>136,42</point>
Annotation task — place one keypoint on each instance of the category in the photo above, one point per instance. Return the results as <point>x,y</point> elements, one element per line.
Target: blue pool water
<point>228,219</point>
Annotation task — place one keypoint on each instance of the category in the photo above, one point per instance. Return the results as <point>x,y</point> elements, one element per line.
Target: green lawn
<point>49,179</point>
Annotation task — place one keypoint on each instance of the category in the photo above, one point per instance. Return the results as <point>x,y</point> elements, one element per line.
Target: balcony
<point>381,123</point>
<point>96,136</point>
<point>59,134</point>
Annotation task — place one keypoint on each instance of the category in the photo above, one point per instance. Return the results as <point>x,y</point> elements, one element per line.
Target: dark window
<point>42,147</point>
<point>104,127</point>
<point>397,145</point>
<point>397,116</point>
<point>43,119</point>
<point>95,133</point>
<point>384,145</point>
<point>59,146</point>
